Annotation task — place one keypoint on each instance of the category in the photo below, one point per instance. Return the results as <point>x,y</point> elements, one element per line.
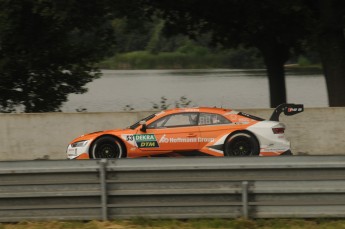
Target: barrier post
<point>245,199</point>
<point>103,183</point>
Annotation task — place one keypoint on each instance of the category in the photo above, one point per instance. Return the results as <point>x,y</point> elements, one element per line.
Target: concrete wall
<point>316,131</point>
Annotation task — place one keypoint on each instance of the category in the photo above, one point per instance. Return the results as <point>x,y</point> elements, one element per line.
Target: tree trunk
<point>332,50</point>
<point>331,43</point>
<point>275,55</point>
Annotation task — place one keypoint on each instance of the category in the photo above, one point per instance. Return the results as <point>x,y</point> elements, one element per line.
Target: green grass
<point>187,224</point>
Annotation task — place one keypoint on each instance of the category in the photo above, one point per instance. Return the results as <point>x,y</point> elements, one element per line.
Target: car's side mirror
<point>143,126</point>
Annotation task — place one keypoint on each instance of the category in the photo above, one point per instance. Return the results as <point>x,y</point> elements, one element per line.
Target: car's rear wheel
<point>107,147</point>
<point>241,144</point>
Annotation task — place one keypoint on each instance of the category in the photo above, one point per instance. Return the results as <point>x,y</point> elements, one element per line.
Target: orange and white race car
<point>190,131</point>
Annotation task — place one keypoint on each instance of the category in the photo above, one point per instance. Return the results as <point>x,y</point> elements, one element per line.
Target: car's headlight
<point>79,144</point>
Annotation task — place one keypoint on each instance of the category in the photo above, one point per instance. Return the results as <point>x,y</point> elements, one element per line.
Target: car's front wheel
<point>107,147</point>
<point>241,144</point>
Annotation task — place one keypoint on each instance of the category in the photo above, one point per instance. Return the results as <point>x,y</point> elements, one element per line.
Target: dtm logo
<point>146,140</point>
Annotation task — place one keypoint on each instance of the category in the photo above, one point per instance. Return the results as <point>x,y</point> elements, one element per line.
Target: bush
<point>303,61</point>
<point>189,56</point>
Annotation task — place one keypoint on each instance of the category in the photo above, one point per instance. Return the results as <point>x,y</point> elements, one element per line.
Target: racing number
<point>129,138</point>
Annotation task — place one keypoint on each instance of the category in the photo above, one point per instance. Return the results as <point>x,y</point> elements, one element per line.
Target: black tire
<point>107,147</point>
<point>241,144</point>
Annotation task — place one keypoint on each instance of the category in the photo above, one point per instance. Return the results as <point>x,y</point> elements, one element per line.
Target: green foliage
<point>48,49</point>
<point>183,102</point>
<point>153,44</point>
<point>273,27</point>
<point>193,49</point>
<point>176,51</point>
<point>129,37</point>
<point>128,108</point>
<point>187,58</point>
<point>163,105</point>
<point>303,61</point>
<point>81,109</point>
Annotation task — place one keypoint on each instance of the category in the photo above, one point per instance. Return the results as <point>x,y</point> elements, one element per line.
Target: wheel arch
<point>242,131</point>
<point>113,136</point>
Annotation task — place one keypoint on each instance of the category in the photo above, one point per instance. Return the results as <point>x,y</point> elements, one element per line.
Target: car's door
<point>212,127</point>
<point>175,132</point>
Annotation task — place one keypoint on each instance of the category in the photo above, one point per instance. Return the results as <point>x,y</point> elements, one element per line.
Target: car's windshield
<point>135,125</point>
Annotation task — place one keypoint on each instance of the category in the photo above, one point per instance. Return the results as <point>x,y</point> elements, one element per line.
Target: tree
<point>48,49</point>
<point>271,26</point>
<point>327,22</point>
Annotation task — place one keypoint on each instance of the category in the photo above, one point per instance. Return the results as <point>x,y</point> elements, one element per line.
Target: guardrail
<point>254,187</point>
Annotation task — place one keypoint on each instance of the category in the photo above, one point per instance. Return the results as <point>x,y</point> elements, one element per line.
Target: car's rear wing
<point>288,109</point>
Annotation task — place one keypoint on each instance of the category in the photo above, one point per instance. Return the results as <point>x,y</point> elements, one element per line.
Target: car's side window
<point>175,120</point>
<point>212,119</point>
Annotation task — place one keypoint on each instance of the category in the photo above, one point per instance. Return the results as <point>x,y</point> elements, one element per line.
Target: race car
<point>201,131</point>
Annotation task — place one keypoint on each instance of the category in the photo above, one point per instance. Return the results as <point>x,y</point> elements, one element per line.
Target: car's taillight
<point>278,130</point>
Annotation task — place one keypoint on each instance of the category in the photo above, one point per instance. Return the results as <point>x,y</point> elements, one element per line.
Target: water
<point>218,87</point>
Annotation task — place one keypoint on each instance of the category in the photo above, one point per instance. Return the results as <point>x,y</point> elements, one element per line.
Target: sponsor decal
<point>290,109</point>
<point>145,140</point>
<point>231,113</point>
<point>190,109</point>
<point>72,152</point>
<point>164,139</point>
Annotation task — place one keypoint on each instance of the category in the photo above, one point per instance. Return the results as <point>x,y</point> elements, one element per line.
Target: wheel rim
<point>108,150</point>
<point>240,147</point>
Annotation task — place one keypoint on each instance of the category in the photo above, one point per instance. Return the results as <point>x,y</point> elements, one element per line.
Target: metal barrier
<point>249,187</point>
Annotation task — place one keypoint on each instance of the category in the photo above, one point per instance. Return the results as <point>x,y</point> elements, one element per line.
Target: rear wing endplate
<point>288,109</point>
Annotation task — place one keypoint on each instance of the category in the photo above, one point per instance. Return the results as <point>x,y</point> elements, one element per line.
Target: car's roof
<point>198,109</point>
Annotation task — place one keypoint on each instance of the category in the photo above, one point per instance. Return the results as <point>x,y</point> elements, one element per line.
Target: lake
<point>140,89</point>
